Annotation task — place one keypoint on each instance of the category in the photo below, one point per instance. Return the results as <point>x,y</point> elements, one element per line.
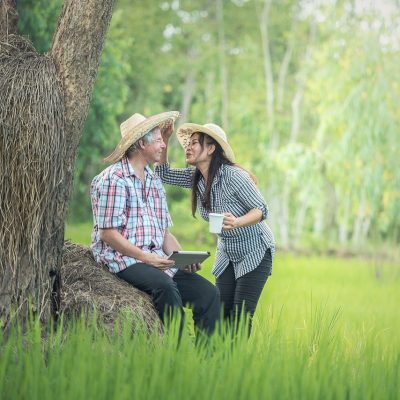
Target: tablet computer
<point>184,258</point>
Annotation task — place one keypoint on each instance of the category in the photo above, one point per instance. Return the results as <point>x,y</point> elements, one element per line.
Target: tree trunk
<point>268,75</point>
<point>188,88</point>
<point>222,66</point>
<point>299,219</point>
<point>300,85</point>
<point>358,222</point>
<point>284,213</point>
<point>53,109</point>
<point>8,17</point>
<point>344,221</point>
<point>210,91</point>
<point>283,70</point>
<point>318,221</point>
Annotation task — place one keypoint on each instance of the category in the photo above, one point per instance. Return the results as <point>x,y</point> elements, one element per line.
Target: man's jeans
<point>174,293</point>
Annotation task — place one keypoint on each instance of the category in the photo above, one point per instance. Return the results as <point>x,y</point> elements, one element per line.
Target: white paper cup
<point>215,222</point>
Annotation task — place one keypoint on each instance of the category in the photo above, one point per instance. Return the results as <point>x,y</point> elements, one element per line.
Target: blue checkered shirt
<point>232,191</point>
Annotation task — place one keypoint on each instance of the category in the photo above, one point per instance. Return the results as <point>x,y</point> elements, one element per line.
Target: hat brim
<point>162,120</point>
<point>185,131</point>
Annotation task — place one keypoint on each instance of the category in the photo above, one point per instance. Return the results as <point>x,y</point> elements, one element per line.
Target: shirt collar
<point>128,170</point>
<point>216,177</point>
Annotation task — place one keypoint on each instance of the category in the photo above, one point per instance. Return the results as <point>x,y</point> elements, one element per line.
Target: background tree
<point>300,75</point>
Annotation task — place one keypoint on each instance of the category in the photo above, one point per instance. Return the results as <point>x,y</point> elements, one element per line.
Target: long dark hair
<point>218,159</point>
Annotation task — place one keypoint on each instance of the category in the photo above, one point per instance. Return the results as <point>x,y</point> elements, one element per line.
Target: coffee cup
<point>216,221</point>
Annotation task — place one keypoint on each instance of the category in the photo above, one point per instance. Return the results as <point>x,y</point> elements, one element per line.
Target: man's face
<point>153,151</point>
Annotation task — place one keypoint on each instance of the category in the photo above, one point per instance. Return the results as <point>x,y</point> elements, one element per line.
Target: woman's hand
<point>167,131</point>
<point>230,222</point>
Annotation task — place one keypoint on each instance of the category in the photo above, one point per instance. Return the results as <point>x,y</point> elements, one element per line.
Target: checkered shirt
<point>138,212</point>
<point>232,191</point>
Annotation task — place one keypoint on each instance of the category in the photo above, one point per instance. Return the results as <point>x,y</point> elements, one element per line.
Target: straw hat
<point>217,133</point>
<point>136,127</point>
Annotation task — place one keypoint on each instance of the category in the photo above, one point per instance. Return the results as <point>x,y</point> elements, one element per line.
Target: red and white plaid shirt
<point>139,213</point>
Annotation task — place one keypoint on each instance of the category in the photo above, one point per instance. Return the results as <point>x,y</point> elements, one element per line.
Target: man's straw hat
<point>136,127</point>
<point>185,131</point>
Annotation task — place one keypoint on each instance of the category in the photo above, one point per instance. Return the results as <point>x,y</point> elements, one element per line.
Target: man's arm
<point>114,239</point>
<point>170,243</point>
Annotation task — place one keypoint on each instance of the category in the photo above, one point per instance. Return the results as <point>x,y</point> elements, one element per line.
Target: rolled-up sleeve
<point>247,192</point>
<point>111,212</point>
<point>175,176</point>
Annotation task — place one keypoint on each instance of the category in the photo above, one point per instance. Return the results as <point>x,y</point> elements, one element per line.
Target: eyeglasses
<point>158,141</point>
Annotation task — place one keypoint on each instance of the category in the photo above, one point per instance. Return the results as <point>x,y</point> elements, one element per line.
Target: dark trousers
<point>174,293</point>
<point>240,296</point>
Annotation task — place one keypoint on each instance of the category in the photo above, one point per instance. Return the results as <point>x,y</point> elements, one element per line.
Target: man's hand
<point>157,261</point>
<point>192,268</point>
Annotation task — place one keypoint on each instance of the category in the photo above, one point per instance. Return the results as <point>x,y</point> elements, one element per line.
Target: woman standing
<point>246,245</point>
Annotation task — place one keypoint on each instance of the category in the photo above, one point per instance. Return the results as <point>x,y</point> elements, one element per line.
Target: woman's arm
<point>246,193</point>
<point>175,176</point>
<point>254,216</point>
<point>178,176</point>
<point>166,135</point>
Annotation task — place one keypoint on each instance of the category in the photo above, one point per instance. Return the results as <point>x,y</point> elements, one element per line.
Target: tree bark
<point>222,66</point>
<point>209,94</point>
<point>33,274</point>
<point>283,70</point>
<point>300,84</point>
<point>8,17</point>
<point>285,216</point>
<point>76,50</point>
<point>188,88</point>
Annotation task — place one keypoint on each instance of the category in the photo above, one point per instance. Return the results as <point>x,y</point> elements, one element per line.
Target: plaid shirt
<point>138,212</point>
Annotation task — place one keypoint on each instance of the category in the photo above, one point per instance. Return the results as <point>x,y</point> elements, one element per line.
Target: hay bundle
<point>87,286</point>
<point>32,172</point>
<point>32,146</point>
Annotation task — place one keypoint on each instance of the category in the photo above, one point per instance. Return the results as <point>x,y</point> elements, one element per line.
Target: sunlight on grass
<point>86,362</point>
<point>324,328</point>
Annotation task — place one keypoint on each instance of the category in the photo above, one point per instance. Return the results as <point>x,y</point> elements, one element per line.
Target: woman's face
<point>196,153</point>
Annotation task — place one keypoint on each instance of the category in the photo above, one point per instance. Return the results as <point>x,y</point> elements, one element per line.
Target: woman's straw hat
<point>185,131</point>
<point>136,127</point>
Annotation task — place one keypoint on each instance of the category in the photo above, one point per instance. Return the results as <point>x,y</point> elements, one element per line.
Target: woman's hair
<point>218,158</point>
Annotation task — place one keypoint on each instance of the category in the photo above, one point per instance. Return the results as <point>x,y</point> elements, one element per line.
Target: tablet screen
<point>184,258</point>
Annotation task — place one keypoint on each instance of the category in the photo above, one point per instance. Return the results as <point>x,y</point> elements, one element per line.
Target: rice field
<point>325,328</point>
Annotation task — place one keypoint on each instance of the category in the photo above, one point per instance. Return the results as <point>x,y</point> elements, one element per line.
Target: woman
<point>245,247</point>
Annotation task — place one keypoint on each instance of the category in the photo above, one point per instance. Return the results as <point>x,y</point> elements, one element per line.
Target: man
<point>131,222</point>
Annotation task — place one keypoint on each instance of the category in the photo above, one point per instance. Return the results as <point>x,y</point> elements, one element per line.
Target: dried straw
<point>31,143</point>
<point>88,287</point>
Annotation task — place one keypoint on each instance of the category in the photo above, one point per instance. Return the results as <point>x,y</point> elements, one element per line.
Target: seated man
<point>131,222</point>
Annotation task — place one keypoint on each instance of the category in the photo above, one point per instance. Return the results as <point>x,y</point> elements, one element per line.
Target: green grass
<point>79,233</point>
<point>325,328</point>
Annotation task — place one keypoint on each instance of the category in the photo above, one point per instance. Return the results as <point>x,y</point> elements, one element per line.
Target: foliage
<point>309,88</point>
<point>37,21</point>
